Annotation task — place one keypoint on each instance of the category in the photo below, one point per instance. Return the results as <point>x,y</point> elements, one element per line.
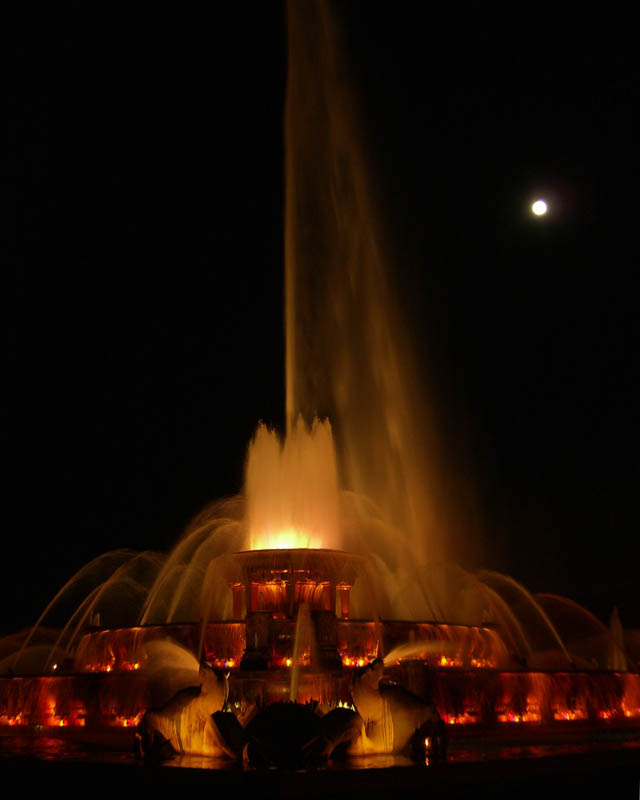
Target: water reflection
<point>49,748</point>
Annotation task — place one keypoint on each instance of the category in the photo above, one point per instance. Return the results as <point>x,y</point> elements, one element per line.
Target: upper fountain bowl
<point>280,580</point>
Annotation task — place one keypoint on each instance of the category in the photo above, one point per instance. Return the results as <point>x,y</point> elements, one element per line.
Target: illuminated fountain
<point>297,622</point>
<point>295,584</point>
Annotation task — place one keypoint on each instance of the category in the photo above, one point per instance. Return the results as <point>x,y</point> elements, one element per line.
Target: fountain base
<point>296,640</point>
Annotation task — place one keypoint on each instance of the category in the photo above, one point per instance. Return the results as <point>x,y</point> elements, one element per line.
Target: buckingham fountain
<point>260,589</point>
<point>325,582</point>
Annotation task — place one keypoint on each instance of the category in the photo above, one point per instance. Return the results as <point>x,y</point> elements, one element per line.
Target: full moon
<point>539,208</point>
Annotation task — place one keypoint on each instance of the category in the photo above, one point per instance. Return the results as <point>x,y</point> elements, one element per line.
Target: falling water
<point>348,355</point>
<point>303,640</point>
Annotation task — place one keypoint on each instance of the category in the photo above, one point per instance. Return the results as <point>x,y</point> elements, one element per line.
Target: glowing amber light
<point>570,715</point>
<point>285,539</point>
<point>460,719</point>
<point>129,722</point>
<point>352,661</point>
<point>224,663</point>
<point>483,663</point>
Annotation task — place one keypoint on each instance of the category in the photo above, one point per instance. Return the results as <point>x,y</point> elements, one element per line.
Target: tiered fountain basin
<point>293,627</point>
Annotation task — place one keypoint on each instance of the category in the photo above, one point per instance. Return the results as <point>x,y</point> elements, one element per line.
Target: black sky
<point>142,186</point>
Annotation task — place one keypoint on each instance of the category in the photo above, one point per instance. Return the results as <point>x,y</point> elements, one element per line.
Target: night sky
<point>142,230</point>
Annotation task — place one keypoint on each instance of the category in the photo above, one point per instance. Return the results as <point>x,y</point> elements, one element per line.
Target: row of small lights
<point>64,722</point>
<point>231,663</point>
<point>466,718</point>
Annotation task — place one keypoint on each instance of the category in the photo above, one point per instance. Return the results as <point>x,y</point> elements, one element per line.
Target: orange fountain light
<point>354,661</point>
<point>290,538</point>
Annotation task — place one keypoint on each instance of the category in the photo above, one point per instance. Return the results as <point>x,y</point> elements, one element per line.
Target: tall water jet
<point>348,354</point>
